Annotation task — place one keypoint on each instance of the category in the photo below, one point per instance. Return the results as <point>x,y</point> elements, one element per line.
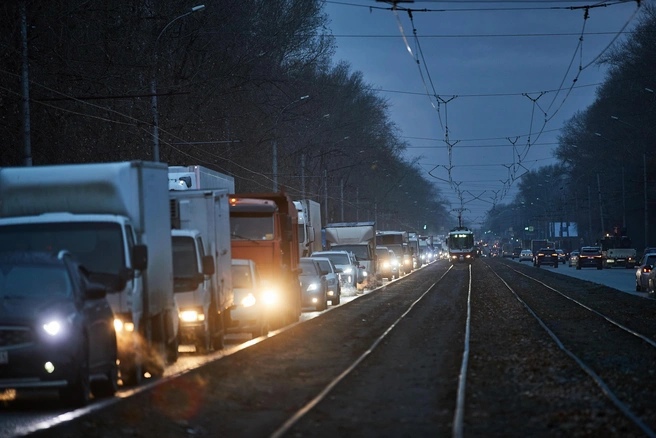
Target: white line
<point>459,415</point>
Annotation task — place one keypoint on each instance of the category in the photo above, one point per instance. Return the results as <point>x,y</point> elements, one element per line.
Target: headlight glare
<point>249,300</point>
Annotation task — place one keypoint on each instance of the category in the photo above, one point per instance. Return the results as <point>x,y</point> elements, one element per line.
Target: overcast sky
<point>495,67</point>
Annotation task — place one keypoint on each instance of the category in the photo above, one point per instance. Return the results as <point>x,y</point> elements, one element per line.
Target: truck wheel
<point>337,299</point>
<point>203,342</point>
<point>107,388</point>
<point>218,336</point>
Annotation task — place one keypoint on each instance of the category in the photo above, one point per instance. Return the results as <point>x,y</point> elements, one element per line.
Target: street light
<point>153,82</point>
<point>274,146</point>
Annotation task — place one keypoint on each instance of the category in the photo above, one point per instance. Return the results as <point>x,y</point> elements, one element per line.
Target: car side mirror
<point>95,292</point>
<point>140,257</point>
<point>208,265</point>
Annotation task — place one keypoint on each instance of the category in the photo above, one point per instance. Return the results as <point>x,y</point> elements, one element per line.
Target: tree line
<point>246,87</point>
<point>605,178</point>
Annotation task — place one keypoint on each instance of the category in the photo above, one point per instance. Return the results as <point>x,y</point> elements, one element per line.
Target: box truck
<point>114,217</point>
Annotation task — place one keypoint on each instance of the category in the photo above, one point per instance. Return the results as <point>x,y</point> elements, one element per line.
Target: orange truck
<point>263,228</point>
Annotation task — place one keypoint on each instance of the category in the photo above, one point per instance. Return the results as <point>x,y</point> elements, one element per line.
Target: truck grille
<point>15,336</point>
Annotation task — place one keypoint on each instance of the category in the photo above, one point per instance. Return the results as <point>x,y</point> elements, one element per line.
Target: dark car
<point>547,256</point>
<point>590,257</point>
<point>56,328</point>
<point>516,252</point>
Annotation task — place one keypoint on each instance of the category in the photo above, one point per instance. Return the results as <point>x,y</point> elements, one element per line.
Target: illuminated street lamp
<point>153,82</point>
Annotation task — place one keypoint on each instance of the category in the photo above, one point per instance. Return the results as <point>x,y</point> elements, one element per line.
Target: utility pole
<point>25,79</point>
<point>601,209</point>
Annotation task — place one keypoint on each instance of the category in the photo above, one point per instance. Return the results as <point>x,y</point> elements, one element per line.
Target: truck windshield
<point>185,264</point>
<point>97,245</point>
<point>251,227</point>
<point>360,251</point>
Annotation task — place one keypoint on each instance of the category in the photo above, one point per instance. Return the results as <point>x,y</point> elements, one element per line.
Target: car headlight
<point>53,327</point>
<point>386,265</point>
<point>348,271</point>
<point>270,297</point>
<point>313,287</point>
<point>395,263</point>
<point>123,326</point>
<point>249,300</point>
<point>192,315</point>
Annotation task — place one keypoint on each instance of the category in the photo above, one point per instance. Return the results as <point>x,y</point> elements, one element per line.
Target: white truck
<point>360,239</point>
<point>198,177</point>
<point>202,266</point>
<point>114,217</point>
<point>309,227</point>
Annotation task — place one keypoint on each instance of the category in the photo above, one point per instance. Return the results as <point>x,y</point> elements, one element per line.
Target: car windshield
<point>309,268</point>
<point>324,265</point>
<point>241,277</point>
<point>338,259</point>
<point>34,281</point>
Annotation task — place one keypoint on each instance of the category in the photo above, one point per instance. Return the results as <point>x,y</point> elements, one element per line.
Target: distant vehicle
<point>645,266</point>
<point>314,290</point>
<point>562,257</point>
<point>591,257</point>
<point>388,263</point>
<point>573,258</point>
<point>525,255</point>
<point>57,328</point>
<point>651,283</point>
<point>547,256</point>
<point>460,241</point>
<point>345,262</point>
<point>251,311</point>
<point>624,257</point>
<point>331,272</point>
<point>516,252</point>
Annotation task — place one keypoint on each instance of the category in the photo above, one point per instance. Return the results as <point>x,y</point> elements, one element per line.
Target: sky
<point>480,90</point>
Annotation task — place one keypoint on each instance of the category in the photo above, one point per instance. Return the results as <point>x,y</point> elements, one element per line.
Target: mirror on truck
<point>310,236</point>
<point>140,257</point>
<point>208,265</point>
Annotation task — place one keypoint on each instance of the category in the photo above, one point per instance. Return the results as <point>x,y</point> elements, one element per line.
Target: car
<point>250,313</point>
<point>525,255</point>
<point>651,283</point>
<point>314,290</point>
<point>57,328</point>
<point>547,256</point>
<point>388,263</point>
<point>590,257</point>
<point>645,266</point>
<point>562,257</point>
<point>516,252</point>
<point>573,258</point>
<point>351,273</point>
<point>331,272</point>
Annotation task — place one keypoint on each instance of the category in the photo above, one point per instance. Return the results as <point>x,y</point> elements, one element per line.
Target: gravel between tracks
<point>519,382</point>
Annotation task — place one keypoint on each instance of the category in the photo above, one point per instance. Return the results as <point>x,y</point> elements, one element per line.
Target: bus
<point>460,242</point>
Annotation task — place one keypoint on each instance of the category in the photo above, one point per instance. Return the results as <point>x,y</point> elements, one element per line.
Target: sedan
<point>314,290</point>
<point>645,266</point>
<point>331,274</point>
<point>526,255</point>
<point>57,327</point>
<point>573,258</point>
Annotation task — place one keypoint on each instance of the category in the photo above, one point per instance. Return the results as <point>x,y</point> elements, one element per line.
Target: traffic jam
<point>107,291</point>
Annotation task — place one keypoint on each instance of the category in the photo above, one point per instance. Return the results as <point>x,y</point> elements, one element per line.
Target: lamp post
<point>274,146</point>
<point>153,82</point>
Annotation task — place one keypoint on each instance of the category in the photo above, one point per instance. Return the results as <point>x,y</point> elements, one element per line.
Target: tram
<point>460,242</point>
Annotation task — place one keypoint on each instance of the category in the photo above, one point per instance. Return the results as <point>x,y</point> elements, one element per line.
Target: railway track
<point>487,349</point>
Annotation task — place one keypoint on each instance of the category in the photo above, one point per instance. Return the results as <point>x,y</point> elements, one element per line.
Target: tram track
<point>446,351</point>
<point>597,337</point>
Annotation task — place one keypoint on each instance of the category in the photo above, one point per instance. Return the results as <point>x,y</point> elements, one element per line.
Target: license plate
<point>4,357</point>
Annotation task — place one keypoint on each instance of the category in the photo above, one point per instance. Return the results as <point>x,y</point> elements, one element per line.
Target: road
<point>444,351</point>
